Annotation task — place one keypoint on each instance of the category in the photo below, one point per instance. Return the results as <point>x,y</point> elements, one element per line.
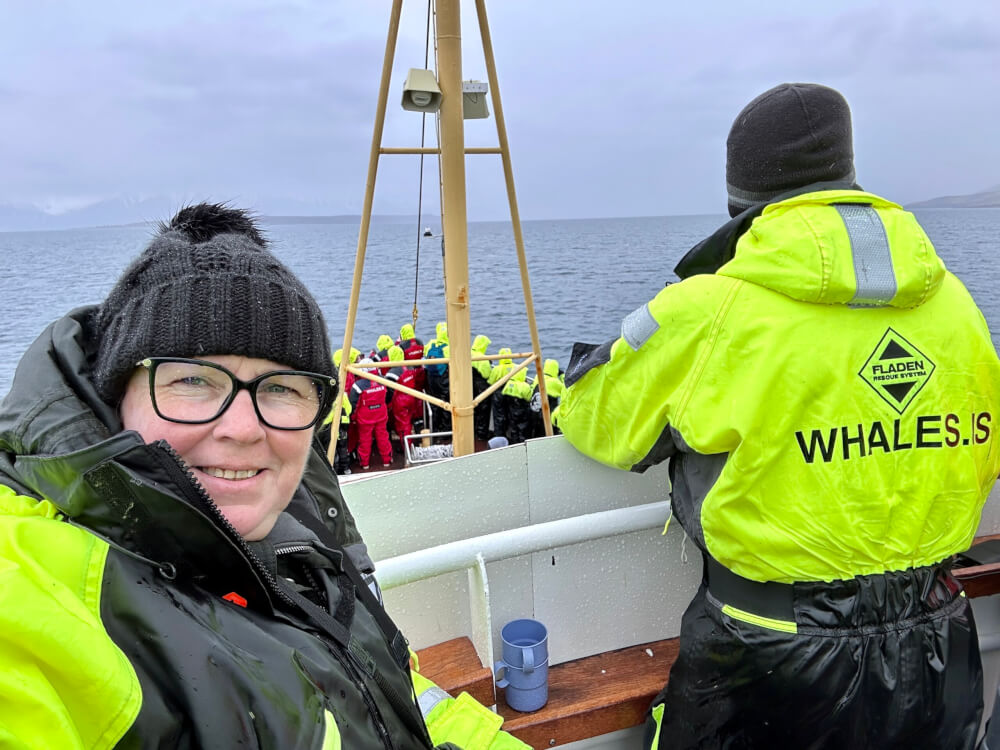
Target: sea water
<point>586,275</point>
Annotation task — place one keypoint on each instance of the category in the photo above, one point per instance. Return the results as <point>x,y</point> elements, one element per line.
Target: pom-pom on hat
<point>207,285</point>
<point>790,136</point>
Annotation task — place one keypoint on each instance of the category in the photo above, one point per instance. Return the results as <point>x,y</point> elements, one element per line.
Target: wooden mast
<point>454,223</point>
<point>452,153</point>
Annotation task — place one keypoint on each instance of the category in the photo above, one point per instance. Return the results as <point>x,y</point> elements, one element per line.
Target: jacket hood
<point>551,368</point>
<point>384,342</point>
<point>406,332</point>
<point>505,356</point>
<point>839,247</point>
<point>442,332</point>
<point>395,354</point>
<point>480,343</point>
<point>52,407</point>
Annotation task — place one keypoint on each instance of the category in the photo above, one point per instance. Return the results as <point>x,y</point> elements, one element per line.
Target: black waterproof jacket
<point>227,653</point>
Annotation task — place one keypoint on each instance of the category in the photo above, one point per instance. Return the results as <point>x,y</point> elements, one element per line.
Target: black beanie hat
<point>206,285</point>
<point>790,136</point>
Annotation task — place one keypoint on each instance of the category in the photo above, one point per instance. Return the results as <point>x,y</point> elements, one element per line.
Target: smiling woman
<point>248,450</point>
<point>178,567</point>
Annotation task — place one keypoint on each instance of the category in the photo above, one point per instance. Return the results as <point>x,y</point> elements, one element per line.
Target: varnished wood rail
<point>604,693</point>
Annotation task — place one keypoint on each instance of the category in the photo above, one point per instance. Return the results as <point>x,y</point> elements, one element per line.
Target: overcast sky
<point>613,108</point>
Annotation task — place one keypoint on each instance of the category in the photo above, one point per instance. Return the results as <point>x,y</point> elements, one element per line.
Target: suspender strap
<point>355,650</point>
<point>397,643</point>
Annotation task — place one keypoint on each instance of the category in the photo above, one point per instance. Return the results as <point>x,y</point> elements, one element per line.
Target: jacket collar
<point>713,252</point>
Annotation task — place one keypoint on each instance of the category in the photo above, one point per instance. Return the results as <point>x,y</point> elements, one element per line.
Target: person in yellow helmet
<point>178,567</point>
<point>349,378</point>
<point>413,348</point>
<point>554,387</point>
<point>403,407</point>
<point>438,382</point>
<point>381,352</point>
<point>500,406</point>
<point>480,382</point>
<point>516,403</point>
<point>342,456</point>
<point>828,396</point>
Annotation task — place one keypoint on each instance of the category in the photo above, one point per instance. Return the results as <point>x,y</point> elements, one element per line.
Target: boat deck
<point>398,460</point>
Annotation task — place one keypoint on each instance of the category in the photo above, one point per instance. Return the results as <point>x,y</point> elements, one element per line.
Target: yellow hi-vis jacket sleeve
<point>63,683</point>
<point>461,721</point>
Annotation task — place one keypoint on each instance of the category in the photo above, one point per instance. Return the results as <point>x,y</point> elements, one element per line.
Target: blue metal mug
<point>525,665</point>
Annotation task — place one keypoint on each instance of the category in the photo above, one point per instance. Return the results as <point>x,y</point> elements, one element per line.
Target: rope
<point>420,191</point>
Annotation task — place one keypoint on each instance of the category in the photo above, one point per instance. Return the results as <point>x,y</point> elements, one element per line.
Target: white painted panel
<point>562,482</point>
<point>624,739</point>
<point>436,503</point>
<point>614,592</point>
<point>438,609</point>
<point>432,611</point>
<point>990,523</point>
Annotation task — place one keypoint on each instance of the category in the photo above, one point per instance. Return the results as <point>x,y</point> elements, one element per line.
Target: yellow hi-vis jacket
<point>345,412</point>
<point>70,686</point>
<point>830,396</point>
<point>463,721</point>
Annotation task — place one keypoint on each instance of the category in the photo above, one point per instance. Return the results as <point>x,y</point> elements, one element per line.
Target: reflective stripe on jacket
<point>830,397</point>
<point>461,720</point>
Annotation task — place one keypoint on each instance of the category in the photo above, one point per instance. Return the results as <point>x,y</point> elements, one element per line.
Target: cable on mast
<point>420,190</point>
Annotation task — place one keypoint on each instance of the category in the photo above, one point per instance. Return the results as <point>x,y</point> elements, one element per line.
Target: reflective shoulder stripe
<point>785,626</point>
<point>429,699</point>
<point>873,271</point>
<point>638,326</point>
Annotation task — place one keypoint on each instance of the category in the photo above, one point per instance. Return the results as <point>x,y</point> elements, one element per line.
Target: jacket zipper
<point>289,549</point>
<point>205,502</point>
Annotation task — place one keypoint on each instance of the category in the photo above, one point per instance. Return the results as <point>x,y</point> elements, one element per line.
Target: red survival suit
<point>404,406</point>
<point>413,348</point>
<point>369,402</point>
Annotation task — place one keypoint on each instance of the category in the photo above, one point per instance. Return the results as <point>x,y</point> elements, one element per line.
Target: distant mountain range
<point>137,212</point>
<point>989,198</point>
<point>125,211</point>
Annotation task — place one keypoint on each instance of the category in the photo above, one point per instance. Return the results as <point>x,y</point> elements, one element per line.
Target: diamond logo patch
<point>897,370</point>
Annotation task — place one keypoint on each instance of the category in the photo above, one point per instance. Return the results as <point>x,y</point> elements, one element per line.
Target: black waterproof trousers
<point>880,662</point>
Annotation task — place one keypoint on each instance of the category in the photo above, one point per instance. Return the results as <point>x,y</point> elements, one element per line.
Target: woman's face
<point>235,442</point>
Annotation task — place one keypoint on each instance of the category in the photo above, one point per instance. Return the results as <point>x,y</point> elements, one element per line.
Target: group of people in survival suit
<point>179,569</point>
<point>375,416</point>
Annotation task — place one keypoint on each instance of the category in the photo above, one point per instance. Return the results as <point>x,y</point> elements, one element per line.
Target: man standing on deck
<point>829,397</point>
<point>438,381</point>
<point>370,405</point>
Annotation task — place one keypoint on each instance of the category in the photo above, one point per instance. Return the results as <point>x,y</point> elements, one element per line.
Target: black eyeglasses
<point>192,391</point>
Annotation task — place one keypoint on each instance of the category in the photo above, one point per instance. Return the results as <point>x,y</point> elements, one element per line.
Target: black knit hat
<point>790,136</point>
<point>206,285</point>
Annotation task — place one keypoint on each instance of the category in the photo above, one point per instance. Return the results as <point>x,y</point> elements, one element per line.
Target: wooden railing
<point>599,694</point>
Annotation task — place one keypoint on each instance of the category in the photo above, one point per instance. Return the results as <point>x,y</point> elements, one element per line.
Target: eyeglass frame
<point>151,363</point>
